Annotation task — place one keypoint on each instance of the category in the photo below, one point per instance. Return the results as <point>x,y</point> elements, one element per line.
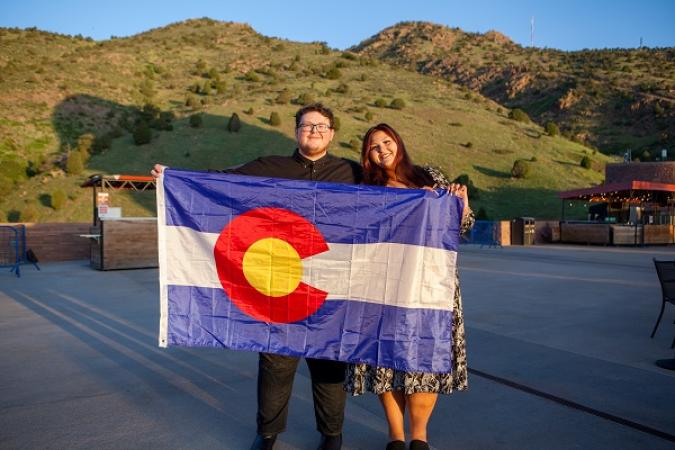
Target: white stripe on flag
<point>401,275</point>
<point>161,253</point>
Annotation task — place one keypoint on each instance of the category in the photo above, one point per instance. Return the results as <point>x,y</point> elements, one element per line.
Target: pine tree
<point>196,120</point>
<point>234,124</point>
<point>142,134</point>
<point>74,165</point>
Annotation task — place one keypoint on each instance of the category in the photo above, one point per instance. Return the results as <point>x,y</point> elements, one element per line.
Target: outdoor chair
<point>666,272</point>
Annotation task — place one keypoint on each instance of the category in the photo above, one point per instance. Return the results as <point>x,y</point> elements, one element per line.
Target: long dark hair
<point>405,170</point>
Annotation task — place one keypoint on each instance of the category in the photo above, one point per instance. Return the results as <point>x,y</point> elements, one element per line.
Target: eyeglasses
<point>310,127</point>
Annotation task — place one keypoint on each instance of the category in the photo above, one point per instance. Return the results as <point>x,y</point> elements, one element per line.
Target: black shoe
<point>416,444</point>
<point>396,445</point>
<point>330,442</point>
<point>264,442</point>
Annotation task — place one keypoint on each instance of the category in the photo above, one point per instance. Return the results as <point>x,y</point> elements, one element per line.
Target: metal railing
<point>12,248</point>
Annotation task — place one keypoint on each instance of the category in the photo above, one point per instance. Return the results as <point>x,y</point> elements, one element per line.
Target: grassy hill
<point>64,98</point>
<point>612,99</point>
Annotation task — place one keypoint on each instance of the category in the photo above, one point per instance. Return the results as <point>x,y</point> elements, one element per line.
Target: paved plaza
<point>558,347</point>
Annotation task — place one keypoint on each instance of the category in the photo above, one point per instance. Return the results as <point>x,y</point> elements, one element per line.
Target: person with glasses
<point>310,161</point>
<point>386,162</point>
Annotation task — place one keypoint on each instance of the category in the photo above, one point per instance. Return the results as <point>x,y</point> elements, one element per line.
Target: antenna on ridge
<point>532,32</point>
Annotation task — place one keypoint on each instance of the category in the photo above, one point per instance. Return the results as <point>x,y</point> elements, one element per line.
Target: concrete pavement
<point>558,344</point>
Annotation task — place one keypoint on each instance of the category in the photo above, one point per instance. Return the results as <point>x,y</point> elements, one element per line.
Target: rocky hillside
<point>611,99</point>
<point>70,107</point>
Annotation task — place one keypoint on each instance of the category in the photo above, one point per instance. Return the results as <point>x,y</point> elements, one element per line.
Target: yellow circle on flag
<point>273,267</point>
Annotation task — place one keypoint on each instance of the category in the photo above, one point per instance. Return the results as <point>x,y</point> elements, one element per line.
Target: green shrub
<point>147,89</point>
<point>85,145</point>
<point>397,103</point>
<point>36,166</point>
<point>29,214</point>
<point>336,123</point>
<point>552,129</point>
<point>220,87</point>
<point>206,88</point>
<point>195,120</point>
<point>164,121</point>
<point>482,214</point>
<point>74,165</point>
<point>381,103</point>
<point>305,98</point>
<point>58,199</point>
<point>369,116</point>
<point>142,134</point>
<point>520,169</point>
<point>519,115</point>
<point>333,74</point>
<point>251,76</point>
<point>324,50</point>
<point>585,162</point>
<point>149,112</point>
<point>355,145</point>
<point>283,98</point>
<point>234,124</point>
<point>275,120</point>
<point>192,102</point>
<point>196,88</point>
<point>343,88</point>
<point>249,111</point>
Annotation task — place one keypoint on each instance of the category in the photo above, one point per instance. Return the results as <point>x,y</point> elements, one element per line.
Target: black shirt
<point>296,167</point>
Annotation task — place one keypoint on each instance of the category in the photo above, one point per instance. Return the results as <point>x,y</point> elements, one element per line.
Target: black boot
<point>416,444</point>
<point>264,442</point>
<point>330,442</point>
<point>396,445</point>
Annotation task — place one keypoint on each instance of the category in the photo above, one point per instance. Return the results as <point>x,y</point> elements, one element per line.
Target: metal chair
<point>666,273</point>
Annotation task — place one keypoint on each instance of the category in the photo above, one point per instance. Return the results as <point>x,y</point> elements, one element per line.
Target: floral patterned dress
<point>363,378</point>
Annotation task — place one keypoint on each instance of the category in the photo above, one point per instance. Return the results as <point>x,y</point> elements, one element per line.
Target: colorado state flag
<point>302,268</point>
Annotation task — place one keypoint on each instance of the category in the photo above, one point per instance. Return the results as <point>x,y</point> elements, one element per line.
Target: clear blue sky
<point>567,25</point>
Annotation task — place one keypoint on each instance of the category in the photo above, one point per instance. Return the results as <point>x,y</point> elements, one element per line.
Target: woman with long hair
<point>386,162</point>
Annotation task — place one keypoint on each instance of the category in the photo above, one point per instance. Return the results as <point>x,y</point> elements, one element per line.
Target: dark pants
<point>275,382</point>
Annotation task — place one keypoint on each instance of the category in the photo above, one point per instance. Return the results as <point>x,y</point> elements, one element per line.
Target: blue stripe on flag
<point>402,338</point>
<point>343,213</point>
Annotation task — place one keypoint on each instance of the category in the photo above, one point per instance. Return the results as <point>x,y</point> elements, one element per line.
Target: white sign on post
<point>109,212</point>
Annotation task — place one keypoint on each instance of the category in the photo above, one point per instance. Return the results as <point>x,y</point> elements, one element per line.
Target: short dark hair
<point>318,107</point>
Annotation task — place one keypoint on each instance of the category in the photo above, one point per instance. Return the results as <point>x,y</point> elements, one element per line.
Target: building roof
<point>616,190</point>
